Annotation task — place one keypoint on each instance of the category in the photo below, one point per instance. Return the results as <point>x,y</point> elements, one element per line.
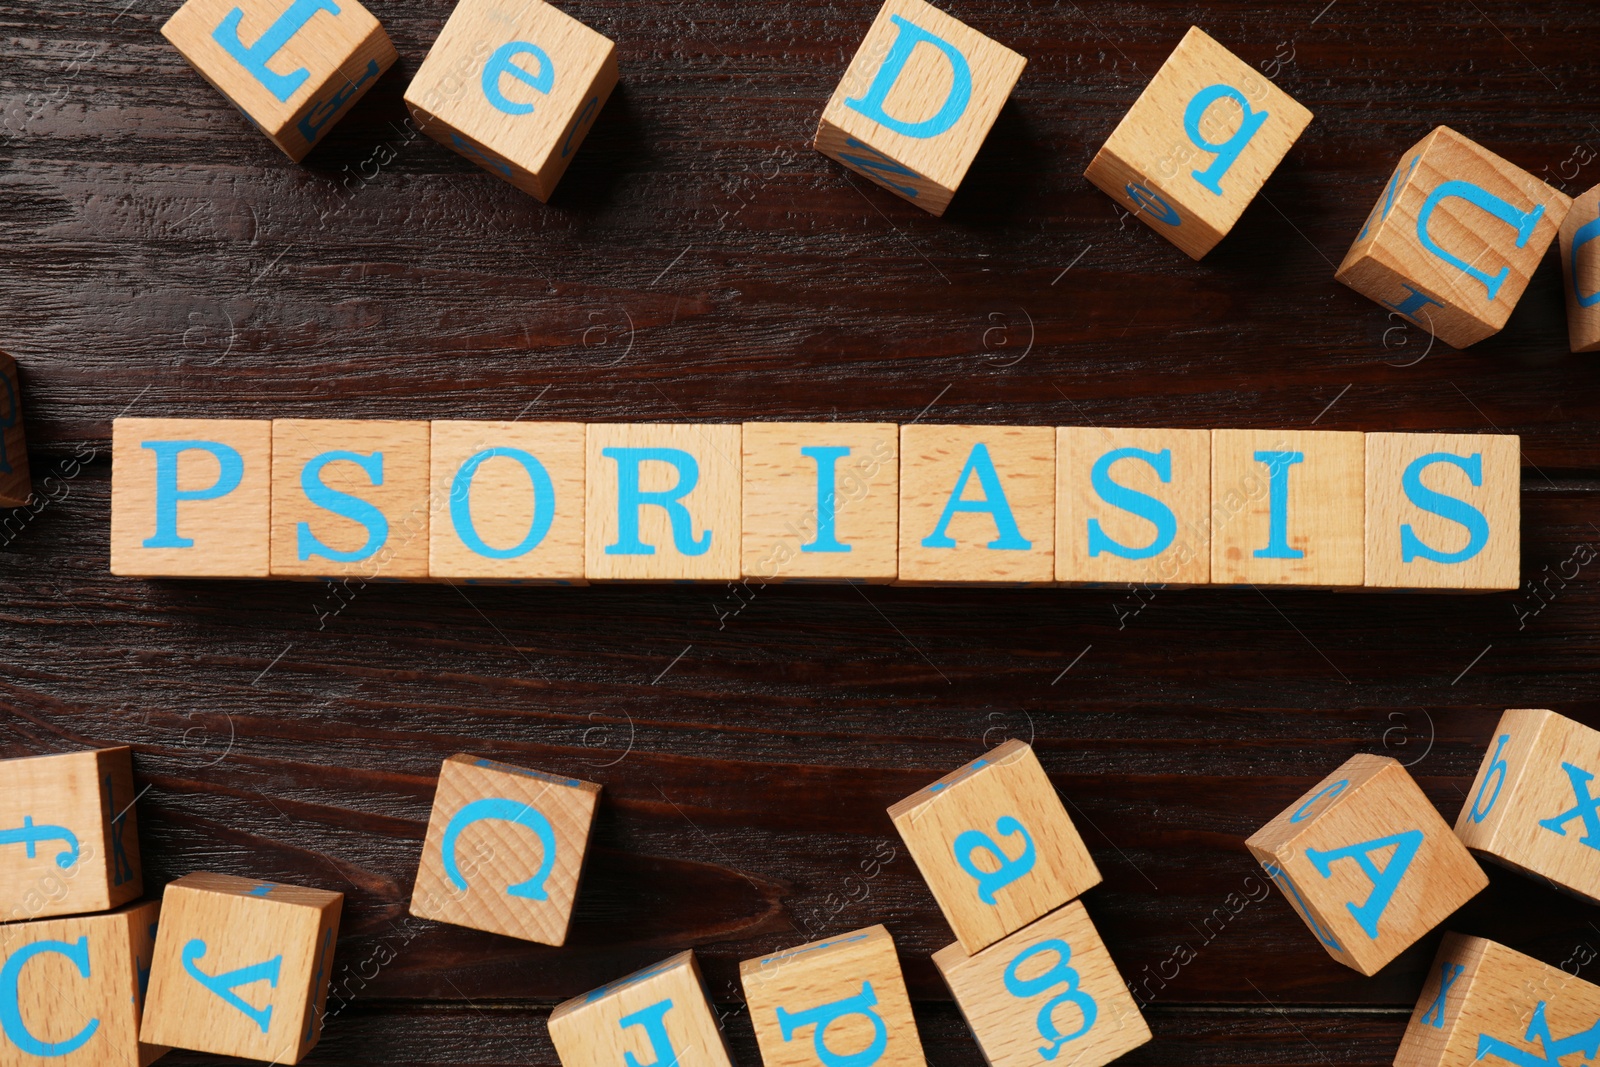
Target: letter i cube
<point>995,845</point>
<point>15,487</point>
<point>504,849</point>
<point>835,1003</point>
<point>1367,862</point>
<point>1580,270</point>
<point>514,85</point>
<point>917,102</point>
<point>242,967</point>
<point>292,66</point>
<point>656,1016</point>
<point>1454,238</point>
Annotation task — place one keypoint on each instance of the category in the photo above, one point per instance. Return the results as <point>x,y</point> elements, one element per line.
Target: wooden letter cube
<point>1536,804</point>
<point>977,504</point>
<point>242,967</point>
<point>1286,507</point>
<point>292,66</point>
<point>1444,511</point>
<point>69,840</point>
<point>514,85</point>
<point>1367,862</point>
<point>656,1016</point>
<point>72,990</point>
<point>504,849</point>
<point>917,102</point>
<point>1198,144</point>
<point>1049,992</point>
<point>835,1003</point>
<point>821,501</point>
<point>1454,238</point>
<point>995,845</point>
<point>15,486</point>
<point>1580,269</point>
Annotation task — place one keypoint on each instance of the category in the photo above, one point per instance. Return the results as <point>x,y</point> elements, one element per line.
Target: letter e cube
<point>659,1015</point>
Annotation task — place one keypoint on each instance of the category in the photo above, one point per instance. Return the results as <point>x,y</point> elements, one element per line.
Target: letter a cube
<point>657,1016</point>
<point>1580,270</point>
<point>1367,862</point>
<point>917,102</point>
<point>15,487</point>
<point>504,849</point>
<point>835,1003</point>
<point>242,967</point>
<point>995,845</point>
<point>1454,238</point>
<point>69,841</point>
<point>292,66</point>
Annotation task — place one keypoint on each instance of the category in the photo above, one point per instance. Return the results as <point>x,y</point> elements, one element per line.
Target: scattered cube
<point>69,839</point>
<point>913,118</point>
<point>811,1004</point>
<point>514,85</point>
<point>16,488</point>
<point>1580,269</point>
<point>657,1016</point>
<point>1198,144</point>
<point>995,845</point>
<point>1454,238</point>
<point>292,66</point>
<point>1367,862</point>
<point>504,849</point>
<point>242,967</point>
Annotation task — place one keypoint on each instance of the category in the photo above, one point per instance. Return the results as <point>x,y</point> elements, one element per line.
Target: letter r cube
<point>655,1017</point>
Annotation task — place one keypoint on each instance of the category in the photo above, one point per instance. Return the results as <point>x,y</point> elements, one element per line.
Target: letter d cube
<point>656,1016</point>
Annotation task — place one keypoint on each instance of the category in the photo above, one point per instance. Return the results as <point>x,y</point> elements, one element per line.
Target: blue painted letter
<point>230,472</point>
<point>1278,464</point>
<point>351,507</point>
<point>11,1021</point>
<point>908,36</point>
<point>1522,222</point>
<point>502,810</point>
<point>500,64</point>
<point>993,502</point>
<point>1008,870</point>
<point>653,1019</point>
<point>1446,507</point>
<point>827,459</point>
<point>1228,151</point>
<point>1131,500</point>
<point>1384,879</point>
<point>630,498</point>
<point>544,504</point>
<point>822,1016</point>
<point>254,59</point>
<point>1587,808</point>
<point>223,985</point>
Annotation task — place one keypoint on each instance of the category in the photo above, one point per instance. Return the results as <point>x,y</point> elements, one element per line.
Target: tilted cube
<point>657,1016</point>
<point>15,486</point>
<point>1580,271</point>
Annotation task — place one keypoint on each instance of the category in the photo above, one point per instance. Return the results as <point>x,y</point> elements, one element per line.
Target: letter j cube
<point>917,102</point>
<point>1367,862</point>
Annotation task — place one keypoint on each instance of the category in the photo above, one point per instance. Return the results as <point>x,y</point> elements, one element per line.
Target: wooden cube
<point>1198,144</point>
<point>1286,507</point>
<point>917,102</point>
<point>69,838</point>
<point>821,501</point>
<point>72,989</point>
<point>977,504</point>
<point>514,85</point>
<point>1454,238</point>
<point>504,849</point>
<point>1580,269</point>
<point>349,498</point>
<point>507,501</point>
<point>191,498</point>
<point>1444,511</point>
<point>16,488</point>
<point>1536,805</point>
<point>662,503</point>
<point>1488,1004</point>
<point>1133,506</point>
<point>836,1003</point>
<point>242,967</point>
<point>995,845</point>
<point>657,1016</point>
<point>292,66</point>
<point>1050,991</point>
<point>1367,862</point>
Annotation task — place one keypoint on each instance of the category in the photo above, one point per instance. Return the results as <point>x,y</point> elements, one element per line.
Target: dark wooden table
<point>158,257</point>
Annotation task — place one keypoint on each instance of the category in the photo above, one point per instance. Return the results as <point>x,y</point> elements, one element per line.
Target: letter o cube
<point>659,1015</point>
<point>15,486</point>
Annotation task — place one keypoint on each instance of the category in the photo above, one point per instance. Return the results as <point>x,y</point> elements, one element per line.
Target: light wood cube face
<point>821,501</point>
<point>242,967</point>
<point>1454,238</point>
<point>1286,507</point>
<point>917,102</point>
<point>15,485</point>
<point>977,504</point>
<point>1133,506</point>
<point>1198,144</point>
<point>1444,511</point>
<point>1488,1004</point>
<point>1049,992</point>
<point>69,839</point>
<point>505,849</point>
<point>836,1003</point>
<point>514,85</point>
<point>293,67</point>
<point>1580,271</point>
<point>659,1015</point>
<point>1535,806</point>
<point>1367,862</point>
<point>995,845</point>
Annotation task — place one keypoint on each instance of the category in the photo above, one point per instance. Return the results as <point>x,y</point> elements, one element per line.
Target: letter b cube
<point>657,1016</point>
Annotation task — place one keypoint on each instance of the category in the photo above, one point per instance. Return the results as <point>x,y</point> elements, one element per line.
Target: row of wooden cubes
<point>772,502</point>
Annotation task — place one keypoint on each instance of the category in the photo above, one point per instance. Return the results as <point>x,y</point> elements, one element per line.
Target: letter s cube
<point>657,1016</point>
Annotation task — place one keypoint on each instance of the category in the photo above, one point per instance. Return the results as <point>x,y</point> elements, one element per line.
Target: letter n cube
<point>504,849</point>
<point>15,486</point>
<point>1367,862</point>
<point>657,1016</point>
